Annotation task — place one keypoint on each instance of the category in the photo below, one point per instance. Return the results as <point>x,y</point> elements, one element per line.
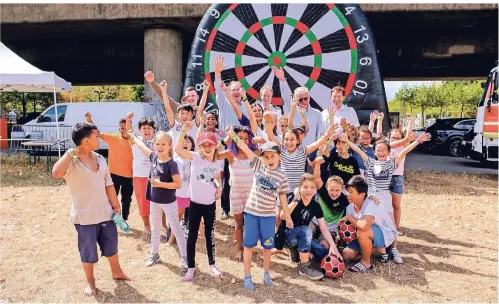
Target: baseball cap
<point>300,127</point>
<point>270,147</point>
<point>206,137</point>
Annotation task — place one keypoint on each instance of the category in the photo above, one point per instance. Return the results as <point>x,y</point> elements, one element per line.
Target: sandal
<point>359,267</point>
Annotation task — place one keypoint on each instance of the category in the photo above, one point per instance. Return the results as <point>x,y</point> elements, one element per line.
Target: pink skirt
<point>183,202</point>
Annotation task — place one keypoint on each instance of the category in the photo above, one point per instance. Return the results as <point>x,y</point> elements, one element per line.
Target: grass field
<point>449,248</point>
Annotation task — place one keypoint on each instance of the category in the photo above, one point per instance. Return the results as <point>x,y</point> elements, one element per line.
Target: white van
<point>105,115</point>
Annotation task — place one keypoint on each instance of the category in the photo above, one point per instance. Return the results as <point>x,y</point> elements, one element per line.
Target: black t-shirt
<point>164,171</point>
<point>345,168</point>
<point>302,215</point>
<point>337,206</point>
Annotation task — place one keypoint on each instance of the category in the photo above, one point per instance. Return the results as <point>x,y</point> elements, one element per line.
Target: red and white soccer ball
<point>332,267</point>
<point>347,231</point>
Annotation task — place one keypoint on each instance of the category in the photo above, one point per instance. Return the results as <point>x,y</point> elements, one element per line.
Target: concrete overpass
<point>115,43</point>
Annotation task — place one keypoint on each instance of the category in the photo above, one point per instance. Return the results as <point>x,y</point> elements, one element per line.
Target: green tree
<point>138,92</point>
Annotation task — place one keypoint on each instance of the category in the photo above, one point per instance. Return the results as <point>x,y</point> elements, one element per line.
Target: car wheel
<point>454,147</point>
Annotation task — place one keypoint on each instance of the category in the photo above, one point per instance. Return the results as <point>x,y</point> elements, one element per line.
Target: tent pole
<point>71,96</point>
<point>57,122</point>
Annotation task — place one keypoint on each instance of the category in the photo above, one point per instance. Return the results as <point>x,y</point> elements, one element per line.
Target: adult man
<point>227,115</point>
<point>190,95</point>
<point>266,94</point>
<point>301,95</point>
<point>120,163</point>
<point>337,110</point>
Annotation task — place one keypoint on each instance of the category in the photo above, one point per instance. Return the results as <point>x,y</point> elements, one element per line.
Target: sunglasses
<point>303,99</point>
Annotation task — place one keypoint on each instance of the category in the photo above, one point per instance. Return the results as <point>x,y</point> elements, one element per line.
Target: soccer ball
<point>332,267</point>
<point>347,231</point>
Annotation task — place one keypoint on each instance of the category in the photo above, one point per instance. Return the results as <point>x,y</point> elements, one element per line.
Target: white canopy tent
<point>17,75</point>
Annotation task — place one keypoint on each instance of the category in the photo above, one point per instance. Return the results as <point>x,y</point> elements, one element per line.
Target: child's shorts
<point>238,198</point>
<point>140,188</point>
<point>385,199</point>
<point>105,234</point>
<point>258,228</point>
<point>378,240</point>
<point>183,202</point>
<point>397,184</point>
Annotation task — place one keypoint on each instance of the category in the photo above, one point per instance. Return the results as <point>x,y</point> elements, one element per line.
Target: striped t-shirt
<point>241,173</point>
<point>267,186</point>
<point>293,164</point>
<point>379,174</point>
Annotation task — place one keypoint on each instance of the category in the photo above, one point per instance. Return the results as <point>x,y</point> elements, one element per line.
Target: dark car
<point>29,117</point>
<point>446,135</point>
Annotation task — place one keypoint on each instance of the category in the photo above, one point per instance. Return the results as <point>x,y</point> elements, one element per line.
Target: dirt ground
<point>449,248</point>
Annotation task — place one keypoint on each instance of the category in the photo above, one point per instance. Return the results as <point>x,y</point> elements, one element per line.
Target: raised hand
<point>381,115</point>
<point>219,65</point>
<point>334,137</point>
<point>278,72</point>
<point>343,137</point>
<point>223,86</point>
<point>267,117</point>
<point>88,117</point>
<point>129,115</point>
<point>320,160</point>
<point>206,85</point>
<point>424,137</point>
<point>242,91</point>
<point>330,130</point>
<point>413,136</point>
<point>331,110</point>
<point>374,115</point>
<point>149,76</point>
<point>187,126</point>
<point>344,123</point>
<point>164,86</point>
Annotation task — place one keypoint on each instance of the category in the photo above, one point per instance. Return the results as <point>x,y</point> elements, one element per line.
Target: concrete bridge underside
<point>105,44</point>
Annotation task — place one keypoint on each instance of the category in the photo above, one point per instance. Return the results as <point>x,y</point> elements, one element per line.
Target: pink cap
<point>206,137</point>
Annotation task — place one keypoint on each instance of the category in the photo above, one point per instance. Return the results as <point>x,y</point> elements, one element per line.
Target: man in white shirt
<point>337,110</point>
<point>302,96</point>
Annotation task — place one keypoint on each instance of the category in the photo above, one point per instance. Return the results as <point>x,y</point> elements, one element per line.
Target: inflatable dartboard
<point>319,46</point>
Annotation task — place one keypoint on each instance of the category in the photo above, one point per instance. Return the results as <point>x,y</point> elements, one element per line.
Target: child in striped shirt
<point>241,179</point>
<point>269,182</point>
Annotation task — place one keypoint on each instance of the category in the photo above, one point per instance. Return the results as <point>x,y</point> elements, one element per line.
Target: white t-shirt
<point>184,168</point>
<point>381,219</point>
<point>177,128</point>
<point>203,174</point>
<point>141,163</point>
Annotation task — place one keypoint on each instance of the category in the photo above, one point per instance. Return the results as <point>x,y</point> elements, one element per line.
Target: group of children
<point>282,193</point>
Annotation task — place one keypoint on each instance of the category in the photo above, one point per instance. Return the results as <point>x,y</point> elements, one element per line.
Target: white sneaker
<point>395,256</point>
<point>153,259</point>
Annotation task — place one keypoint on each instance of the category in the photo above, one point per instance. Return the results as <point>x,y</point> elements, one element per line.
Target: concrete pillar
<point>163,56</point>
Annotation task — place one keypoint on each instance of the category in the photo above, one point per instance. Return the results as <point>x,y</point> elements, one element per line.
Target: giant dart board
<point>319,46</point>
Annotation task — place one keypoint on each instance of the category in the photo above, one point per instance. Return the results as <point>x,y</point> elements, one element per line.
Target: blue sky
<point>391,87</point>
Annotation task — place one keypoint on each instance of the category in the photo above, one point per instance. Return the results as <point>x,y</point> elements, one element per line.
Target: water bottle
<point>120,222</point>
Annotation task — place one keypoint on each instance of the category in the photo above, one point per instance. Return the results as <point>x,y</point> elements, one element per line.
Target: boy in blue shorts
<point>269,182</point>
<point>375,228</point>
<point>94,201</point>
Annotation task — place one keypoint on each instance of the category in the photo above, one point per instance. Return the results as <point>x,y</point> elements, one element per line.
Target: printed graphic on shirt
<point>344,168</point>
<point>207,174</point>
<point>380,172</point>
<point>267,184</point>
<point>186,169</point>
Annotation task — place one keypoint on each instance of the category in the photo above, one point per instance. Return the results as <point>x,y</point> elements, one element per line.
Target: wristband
<point>380,118</point>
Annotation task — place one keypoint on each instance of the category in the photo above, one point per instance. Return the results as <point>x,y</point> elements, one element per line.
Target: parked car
<point>105,115</point>
<point>446,135</point>
<point>29,117</point>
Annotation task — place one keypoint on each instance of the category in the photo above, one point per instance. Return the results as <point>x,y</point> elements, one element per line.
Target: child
<point>340,162</point>
<point>375,229</point>
<point>302,128</point>
<point>208,121</point>
<point>299,238</point>
<point>333,203</point>
<point>185,113</point>
<point>269,182</point>
<point>241,179</point>
<point>294,156</point>
<point>142,168</point>
<point>365,137</point>
<point>120,163</point>
<point>205,189</point>
<point>380,171</point>
<point>93,202</point>
<point>164,178</point>
<point>183,195</point>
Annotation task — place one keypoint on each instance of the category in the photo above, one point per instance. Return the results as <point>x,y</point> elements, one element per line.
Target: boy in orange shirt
<point>120,163</point>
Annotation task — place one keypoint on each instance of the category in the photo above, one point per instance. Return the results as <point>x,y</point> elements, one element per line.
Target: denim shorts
<point>258,228</point>
<point>300,237</point>
<point>105,234</point>
<point>397,184</point>
<point>378,240</point>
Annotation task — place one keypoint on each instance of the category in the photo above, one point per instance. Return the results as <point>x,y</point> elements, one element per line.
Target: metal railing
<point>23,133</point>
